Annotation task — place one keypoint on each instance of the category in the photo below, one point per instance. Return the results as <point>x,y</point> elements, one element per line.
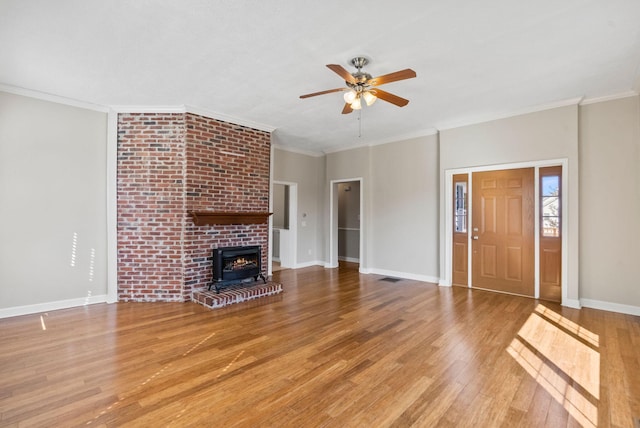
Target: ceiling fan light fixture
<point>361,85</point>
<point>369,98</point>
<point>350,96</point>
<point>356,104</point>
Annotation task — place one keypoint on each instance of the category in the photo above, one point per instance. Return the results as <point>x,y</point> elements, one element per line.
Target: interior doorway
<point>349,222</point>
<point>346,222</point>
<point>284,225</point>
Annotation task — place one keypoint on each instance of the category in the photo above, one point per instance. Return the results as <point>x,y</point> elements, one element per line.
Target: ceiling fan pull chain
<point>359,123</point>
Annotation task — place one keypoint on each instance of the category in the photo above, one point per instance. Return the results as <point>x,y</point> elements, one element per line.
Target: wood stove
<point>234,265</point>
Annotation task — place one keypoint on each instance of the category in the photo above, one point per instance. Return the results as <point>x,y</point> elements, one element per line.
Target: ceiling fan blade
<point>328,91</point>
<point>347,109</point>
<point>392,77</point>
<point>342,72</point>
<point>390,98</point>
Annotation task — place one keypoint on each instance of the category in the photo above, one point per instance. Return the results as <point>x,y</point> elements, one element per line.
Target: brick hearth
<point>235,294</point>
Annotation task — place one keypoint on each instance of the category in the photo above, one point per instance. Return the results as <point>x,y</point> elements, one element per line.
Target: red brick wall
<point>169,164</point>
<point>227,171</point>
<point>151,169</point>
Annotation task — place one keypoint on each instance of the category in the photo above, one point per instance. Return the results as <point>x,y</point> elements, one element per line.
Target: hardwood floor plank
<point>336,349</point>
<point>431,406</point>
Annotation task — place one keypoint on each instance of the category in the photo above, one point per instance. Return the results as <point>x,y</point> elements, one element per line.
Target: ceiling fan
<point>361,86</point>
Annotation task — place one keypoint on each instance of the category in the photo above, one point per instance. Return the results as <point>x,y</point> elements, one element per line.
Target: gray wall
<point>399,219</point>
<point>544,135</point>
<point>308,173</point>
<point>610,201</point>
<point>405,233</point>
<point>52,202</point>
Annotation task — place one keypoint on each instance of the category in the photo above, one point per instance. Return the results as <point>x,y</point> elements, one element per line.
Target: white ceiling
<point>252,59</point>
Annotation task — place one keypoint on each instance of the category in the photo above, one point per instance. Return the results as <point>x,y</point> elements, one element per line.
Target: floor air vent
<point>390,279</point>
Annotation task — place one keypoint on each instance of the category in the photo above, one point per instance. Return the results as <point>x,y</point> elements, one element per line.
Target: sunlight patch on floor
<point>579,331</point>
<point>553,351</point>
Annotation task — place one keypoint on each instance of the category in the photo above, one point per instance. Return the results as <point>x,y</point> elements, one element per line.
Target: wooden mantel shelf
<point>201,218</point>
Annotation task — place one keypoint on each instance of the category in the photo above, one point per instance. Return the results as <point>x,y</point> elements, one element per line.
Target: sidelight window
<point>550,205</point>
<point>460,214</point>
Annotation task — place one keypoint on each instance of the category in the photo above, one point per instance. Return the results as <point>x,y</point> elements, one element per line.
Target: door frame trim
<point>446,275</point>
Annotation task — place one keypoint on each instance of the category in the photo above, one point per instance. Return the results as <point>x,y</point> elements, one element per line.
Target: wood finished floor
<point>335,349</point>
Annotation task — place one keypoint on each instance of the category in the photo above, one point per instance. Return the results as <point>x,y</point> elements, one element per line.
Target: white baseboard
<point>51,306</point>
<point>444,283</point>
<point>611,307</point>
<point>349,259</point>
<point>404,275</point>
<point>309,264</point>
<point>571,303</point>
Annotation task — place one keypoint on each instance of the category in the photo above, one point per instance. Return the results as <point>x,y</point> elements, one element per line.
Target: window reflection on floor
<point>563,358</point>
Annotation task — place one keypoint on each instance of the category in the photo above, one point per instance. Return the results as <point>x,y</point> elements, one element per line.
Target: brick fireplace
<point>173,163</point>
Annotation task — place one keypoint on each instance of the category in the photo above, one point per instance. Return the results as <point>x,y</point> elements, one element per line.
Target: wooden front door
<point>503,231</point>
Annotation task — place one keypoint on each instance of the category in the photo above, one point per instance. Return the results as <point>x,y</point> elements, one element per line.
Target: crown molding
<point>605,98</point>
<point>297,150</point>
<point>44,96</point>
<point>404,137</point>
<point>134,108</point>
<point>505,115</point>
<point>344,148</point>
<point>394,139</point>
<point>149,109</point>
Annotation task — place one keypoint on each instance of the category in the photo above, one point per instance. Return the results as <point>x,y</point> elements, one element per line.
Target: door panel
<point>489,261</point>
<point>460,256</point>
<point>550,266</point>
<point>514,263</point>
<point>460,274</point>
<point>503,229</point>
<point>489,219</point>
<point>514,216</point>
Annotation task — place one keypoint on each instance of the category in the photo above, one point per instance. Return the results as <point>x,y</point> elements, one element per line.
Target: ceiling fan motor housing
<point>361,77</point>
<point>361,81</point>
<point>359,62</point>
